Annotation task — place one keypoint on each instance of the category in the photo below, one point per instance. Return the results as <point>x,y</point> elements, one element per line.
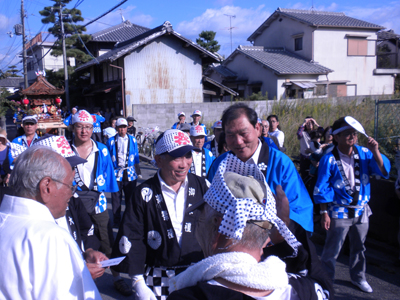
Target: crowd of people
<point>224,217</point>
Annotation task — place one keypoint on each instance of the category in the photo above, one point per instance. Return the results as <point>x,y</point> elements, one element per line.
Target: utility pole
<point>60,14</point>
<point>230,26</point>
<point>23,44</point>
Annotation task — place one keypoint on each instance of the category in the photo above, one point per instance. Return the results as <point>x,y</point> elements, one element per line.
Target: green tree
<point>207,41</point>
<point>73,44</point>
<point>13,71</point>
<point>5,104</point>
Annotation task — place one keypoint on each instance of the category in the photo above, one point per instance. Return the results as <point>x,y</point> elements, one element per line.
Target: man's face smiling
<point>174,170</point>
<point>83,131</point>
<point>241,137</point>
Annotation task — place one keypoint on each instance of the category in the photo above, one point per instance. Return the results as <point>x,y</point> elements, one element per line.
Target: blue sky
<point>188,18</point>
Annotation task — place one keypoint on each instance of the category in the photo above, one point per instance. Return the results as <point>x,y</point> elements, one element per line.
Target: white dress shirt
<point>197,156</point>
<point>176,203</point>
<point>122,149</point>
<point>279,135</point>
<point>348,168</point>
<point>86,170</point>
<point>254,158</point>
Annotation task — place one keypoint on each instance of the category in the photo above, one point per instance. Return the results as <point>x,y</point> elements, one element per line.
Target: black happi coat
<point>146,235</point>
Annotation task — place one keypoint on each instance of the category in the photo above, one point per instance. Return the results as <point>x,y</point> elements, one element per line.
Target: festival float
<point>44,100</point>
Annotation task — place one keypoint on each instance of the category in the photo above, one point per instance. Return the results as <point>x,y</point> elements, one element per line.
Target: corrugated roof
<point>128,46</point>
<point>119,33</point>
<point>317,18</point>
<point>11,82</point>
<point>281,61</point>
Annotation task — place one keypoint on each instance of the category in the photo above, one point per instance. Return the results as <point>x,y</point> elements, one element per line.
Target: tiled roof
<point>128,46</point>
<point>281,61</point>
<point>388,35</point>
<point>325,18</point>
<point>317,18</point>
<point>119,33</point>
<point>11,82</point>
<point>225,72</point>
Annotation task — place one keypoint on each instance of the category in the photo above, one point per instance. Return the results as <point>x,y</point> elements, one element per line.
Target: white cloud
<point>386,16</point>
<point>246,21</point>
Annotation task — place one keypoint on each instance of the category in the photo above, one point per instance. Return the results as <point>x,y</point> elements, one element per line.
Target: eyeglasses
<point>73,188</point>
<point>348,134</point>
<point>80,127</point>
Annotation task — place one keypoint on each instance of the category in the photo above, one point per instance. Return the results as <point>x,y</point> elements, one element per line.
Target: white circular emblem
<point>124,245</point>
<point>364,149</point>
<point>154,239</point>
<point>332,160</point>
<point>147,193</point>
<point>105,152</point>
<point>19,139</point>
<point>339,184</point>
<point>100,180</point>
<point>316,190</point>
<point>364,179</point>
<point>112,142</point>
<point>131,157</point>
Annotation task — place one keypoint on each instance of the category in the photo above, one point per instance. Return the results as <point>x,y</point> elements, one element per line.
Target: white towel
<point>236,267</point>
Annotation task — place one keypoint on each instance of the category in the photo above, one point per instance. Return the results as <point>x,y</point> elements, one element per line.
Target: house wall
<point>279,34</point>
<point>163,72</point>
<point>247,69</point>
<point>330,50</point>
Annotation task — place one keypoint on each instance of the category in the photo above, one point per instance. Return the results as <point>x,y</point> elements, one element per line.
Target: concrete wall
<point>165,115</point>
<point>163,71</point>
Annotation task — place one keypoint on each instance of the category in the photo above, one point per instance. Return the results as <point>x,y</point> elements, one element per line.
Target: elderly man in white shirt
<point>42,259</point>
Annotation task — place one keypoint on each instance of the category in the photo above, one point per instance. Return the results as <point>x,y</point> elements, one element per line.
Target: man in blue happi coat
<point>95,176</point>
<point>125,157</point>
<point>343,192</point>
<point>239,122</point>
<point>202,160</point>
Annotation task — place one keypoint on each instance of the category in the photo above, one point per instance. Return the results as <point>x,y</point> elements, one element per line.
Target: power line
<point>107,12</point>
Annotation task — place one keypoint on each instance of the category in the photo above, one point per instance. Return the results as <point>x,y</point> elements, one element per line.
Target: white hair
<point>32,166</point>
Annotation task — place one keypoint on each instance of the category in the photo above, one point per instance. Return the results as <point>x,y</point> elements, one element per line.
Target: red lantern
<point>58,100</point>
<point>25,101</point>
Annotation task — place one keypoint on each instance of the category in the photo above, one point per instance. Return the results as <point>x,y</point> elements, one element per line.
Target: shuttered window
<point>357,47</point>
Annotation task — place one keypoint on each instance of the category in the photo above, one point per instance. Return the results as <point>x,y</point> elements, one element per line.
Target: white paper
<point>112,262</point>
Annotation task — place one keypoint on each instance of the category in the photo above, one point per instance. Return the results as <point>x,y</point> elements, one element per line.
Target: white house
<point>304,53</point>
<point>35,51</point>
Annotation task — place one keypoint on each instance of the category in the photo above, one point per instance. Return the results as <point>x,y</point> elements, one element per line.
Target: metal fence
<point>387,127</point>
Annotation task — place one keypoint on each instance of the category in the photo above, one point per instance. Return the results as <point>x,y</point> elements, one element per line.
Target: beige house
<point>303,54</point>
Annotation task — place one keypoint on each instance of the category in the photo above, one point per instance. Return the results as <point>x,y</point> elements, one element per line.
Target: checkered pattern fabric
<point>101,204</point>
<point>16,149</point>
<point>157,279</point>
<point>237,211</point>
<point>96,129</point>
<point>338,211</point>
<point>131,173</point>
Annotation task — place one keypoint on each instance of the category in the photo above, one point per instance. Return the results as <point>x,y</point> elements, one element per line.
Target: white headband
<point>342,129</point>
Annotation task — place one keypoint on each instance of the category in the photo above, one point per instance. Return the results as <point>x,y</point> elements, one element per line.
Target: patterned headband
<point>237,211</point>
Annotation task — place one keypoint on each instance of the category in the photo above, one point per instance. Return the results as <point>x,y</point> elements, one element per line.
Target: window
<point>298,44</point>
<point>357,47</point>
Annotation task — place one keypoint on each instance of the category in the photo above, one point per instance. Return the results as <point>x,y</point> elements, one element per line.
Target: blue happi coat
<point>133,157</point>
<point>330,187</point>
<point>105,177</point>
<point>20,140</point>
<point>67,120</point>
<point>270,142</point>
<point>278,169</point>
<point>209,159</point>
<point>97,119</point>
